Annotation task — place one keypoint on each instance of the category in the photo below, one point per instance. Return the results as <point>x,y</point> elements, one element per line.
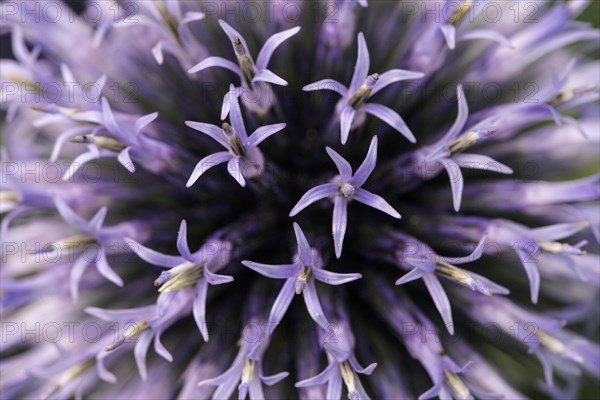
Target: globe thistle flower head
<point>134,266</point>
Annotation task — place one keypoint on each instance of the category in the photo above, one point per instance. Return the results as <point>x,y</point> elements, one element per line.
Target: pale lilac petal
<point>424,264</point>
<point>262,133</point>
<point>69,216</point>
<point>304,252</point>
<point>79,161</point>
<point>141,350</point>
<point>491,286</point>
<point>64,137</point>
<point>433,391</point>
<point>109,120</point>
<point>530,263</point>
<point>235,114</point>
<point>182,243</point>
<point>271,44</point>
<point>313,305</point>
<point>368,165</point>
<point>391,118</point>
<point>346,119</point>
<point>157,53</point>
<point>327,84</point>
<point>461,118</point>
<point>207,163</point>
<point>323,377</point>
<point>282,271</point>
<point>456,181</point>
<point>67,74</point>
<point>122,315</point>
<point>478,161</point>
<point>216,279</point>
<point>98,219</point>
<point>199,308</point>
<point>475,255</point>
<point>192,16</point>
<point>264,75</point>
<point>392,76</point>
<point>485,34</point>
<point>334,387</point>
<point>449,32</point>
<point>368,370</point>
<point>375,201</point>
<point>216,62</point>
<point>105,269</point>
<point>235,170</point>
<point>557,231</point>
<point>144,121</point>
<point>273,379</point>
<point>125,159</point>
<point>154,257</point>
<point>339,223</point>
<point>361,68</point>
<point>342,165</point>
<point>334,278</point>
<point>161,349</point>
<point>76,273</point>
<point>232,34</point>
<point>256,390</point>
<point>282,302</point>
<point>412,275</point>
<point>103,372</point>
<point>213,131</point>
<point>363,3</point>
<point>440,299</point>
<point>315,194</point>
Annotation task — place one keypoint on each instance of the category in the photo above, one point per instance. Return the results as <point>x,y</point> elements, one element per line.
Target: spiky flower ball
<point>299,199</point>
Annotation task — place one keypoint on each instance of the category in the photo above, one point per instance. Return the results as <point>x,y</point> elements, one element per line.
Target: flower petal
<point>152,256</point>
<point>235,170</point>
<point>339,223</point>
<point>77,271</point>
<point>391,118</point>
<point>461,118</point>
<point>213,131</point>
<point>215,62</point>
<point>440,299</point>
<point>105,269</point>
<point>412,275</point>
<point>264,56</point>
<point>361,68</point>
<point>368,165</point>
<point>392,76</point>
<point>315,194</point>
<point>323,377</point>
<point>346,119</point>
<point>235,113</point>
<point>475,255</point>
<point>282,271</point>
<point>263,132</point>
<point>141,350</point>
<point>449,32</point>
<point>282,302</point>
<point>125,159</point>
<point>557,231</point>
<point>375,201</point>
<point>313,305</point>
<point>207,163</point>
<point>530,263</point>
<point>485,34</point>
<point>342,165</point>
<point>144,121</point>
<point>199,308</point>
<point>327,84</point>
<point>478,161</point>
<point>273,379</point>
<point>69,216</point>
<point>182,243</point>
<point>265,75</point>
<point>304,252</point>
<point>232,34</point>
<point>456,181</point>
<point>334,278</point>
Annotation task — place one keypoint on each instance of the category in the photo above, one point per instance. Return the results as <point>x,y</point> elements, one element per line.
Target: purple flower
<point>344,188</point>
<point>352,107</point>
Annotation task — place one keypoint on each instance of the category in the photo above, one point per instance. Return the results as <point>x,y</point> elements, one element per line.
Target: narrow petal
<point>264,75</point>
<point>199,307</point>
<point>461,118</point>
<point>152,256</point>
<point>368,370</point>
<point>182,243</point>
<point>78,162</point>
<point>271,44</point>
<point>235,170</point>
<point>75,276</point>
<point>192,16</point>
<point>256,390</point>
<point>475,255</point>
<point>262,133</point>
<point>321,378</point>
<point>213,131</point>
<point>412,275</point>
<point>327,84</point>
<point>273,379</point>
<point>109,120</point>
<point>346,119</point>
<point>62,139</point>
<point>105,269</point>
<point>449,32</point>
<point>304,252</point>
<point>342,165</point>
<point>235,114</point>
<point>207,163</point>
<point>391,118</point>
<point>440,299</point>
<point>530,263</point>
<point>69,216</point>
<point>160,349</point>
<point>313,305</point>
<point>334,387</point>
<point>141,350</point>
<point>392,76</point>
<point>144,121</point>
<point>334,278</point>
<point>368,165</point>
<point>339,223</point>
<point>282,271</point>
<point>125,159</point>
<point>557,231</point>
<point>375,201</point>
<point>157,53</point>
<point>216,62</point>
<point>216,279</point>
<point>456,181</point>
<point>315,194</point>
<point>478,161</point>
<point>485,34</point>
<point>282,302</point>
<point>232,34</point>
<point>361,68</point>
<point>98,219</point>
